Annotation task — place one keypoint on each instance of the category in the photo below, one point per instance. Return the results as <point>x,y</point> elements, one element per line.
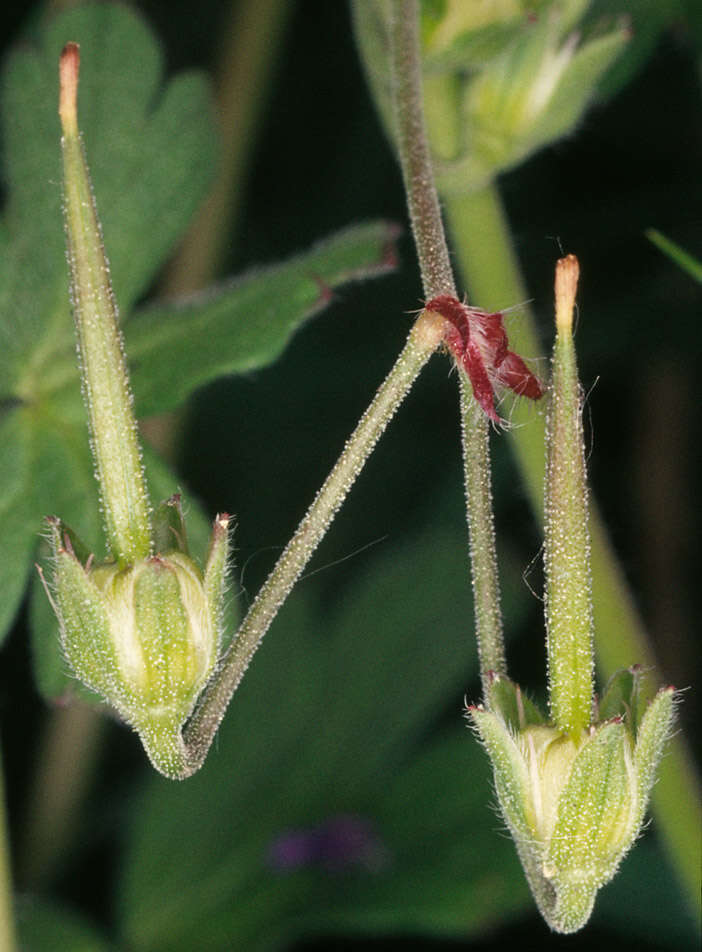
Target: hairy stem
<point>491,271</point>
<point>437,278</point>
<point>415,157</point>
<point>423,340</point>
<point>481,532</point>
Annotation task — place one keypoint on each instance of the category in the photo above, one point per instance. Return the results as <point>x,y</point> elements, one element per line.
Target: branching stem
<point>423,340</point>
<point>437,278</point>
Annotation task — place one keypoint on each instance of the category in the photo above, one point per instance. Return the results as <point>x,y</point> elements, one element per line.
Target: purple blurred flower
<point>334,845</point>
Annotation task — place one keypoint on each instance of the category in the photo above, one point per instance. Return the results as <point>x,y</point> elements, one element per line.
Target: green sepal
<point>168,528</point>
<point>83,619</point>
<point>217,570</point>
<point>63,536</point>
<point>516,709</point>
<point>655,729</point>
<point>595,826</point>
<point>174,661</point>
<point>509,767</point>
<point>621,697</point>
<point>466,36</point>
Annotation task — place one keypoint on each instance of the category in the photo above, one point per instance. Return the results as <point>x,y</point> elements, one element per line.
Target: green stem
<point>8,937</point>
<point>491,271</point>
<point>481,532</point>
<point>437,278</point>
<point>423,340</point>
<point>104,378</point>
<point>415,157</point>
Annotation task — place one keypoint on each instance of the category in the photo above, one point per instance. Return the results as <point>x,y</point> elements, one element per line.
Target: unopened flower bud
<point>526,78</point>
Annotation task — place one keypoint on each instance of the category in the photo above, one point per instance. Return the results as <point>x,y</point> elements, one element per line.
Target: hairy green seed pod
<point>574,806</point>
<point>145,637</point>
<point>573,790</point>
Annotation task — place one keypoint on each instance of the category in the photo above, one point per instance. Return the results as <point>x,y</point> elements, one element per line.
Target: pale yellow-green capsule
<point>573,788</point>
<point>574,805</point>
<point>146,638</point>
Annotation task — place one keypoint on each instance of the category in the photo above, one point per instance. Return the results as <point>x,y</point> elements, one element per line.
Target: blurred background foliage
<point>344,797</point>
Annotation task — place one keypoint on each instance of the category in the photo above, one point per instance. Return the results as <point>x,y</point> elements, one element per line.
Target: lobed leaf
<point>245,324</point>
<point>150,146</point>
<point>147,143</point>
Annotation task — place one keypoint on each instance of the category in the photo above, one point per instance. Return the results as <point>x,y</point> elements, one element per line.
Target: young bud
<point>526,80</point>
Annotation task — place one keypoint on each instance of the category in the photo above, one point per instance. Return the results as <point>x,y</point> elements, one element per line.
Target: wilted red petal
<point>515,374</point>
<point>480,380</point>
<point>491,333</point>
<point>478,341</point>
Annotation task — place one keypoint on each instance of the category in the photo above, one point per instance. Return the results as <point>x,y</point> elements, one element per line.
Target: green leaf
<point>17,522</point>
<point>146,144</point>
<point>677,254</point>
<point>622,697</point>
<point>245,324</point>
<point>151,153</point>
<point>49,927</point>
<point>333,723</point>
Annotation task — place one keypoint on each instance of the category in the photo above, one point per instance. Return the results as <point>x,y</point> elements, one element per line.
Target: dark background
<point>259,446</point>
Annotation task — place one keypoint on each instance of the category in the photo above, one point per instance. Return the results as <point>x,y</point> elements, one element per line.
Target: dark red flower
<point>478,341</point>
